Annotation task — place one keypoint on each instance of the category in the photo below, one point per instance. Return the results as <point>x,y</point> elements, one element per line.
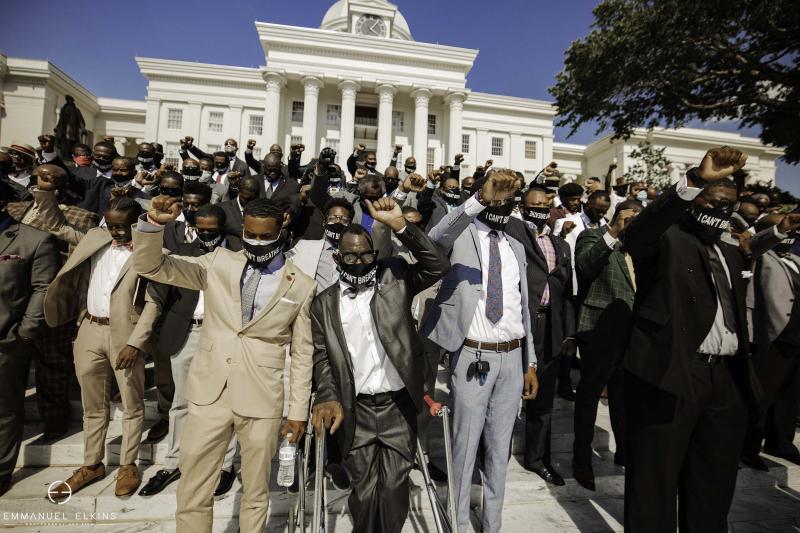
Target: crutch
<point>437,508</point>
<point>319,521</point>
<point>298,516</point>
<point>438,409</point>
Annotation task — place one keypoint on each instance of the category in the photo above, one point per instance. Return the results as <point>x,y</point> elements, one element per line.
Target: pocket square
<point>288,301</point>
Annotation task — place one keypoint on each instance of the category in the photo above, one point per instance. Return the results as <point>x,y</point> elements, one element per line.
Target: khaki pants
<point>94,363</point>
<point>206,437</point>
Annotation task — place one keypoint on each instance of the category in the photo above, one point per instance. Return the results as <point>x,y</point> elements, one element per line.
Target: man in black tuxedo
<point>231,146</point>
<point>689,375</point>
<point>29,260</point>
<point>276,149</point>
<point>99,185</point>
<point>274,185</point>
<point>249,189</point>
<point>549,274</point>
<point>371,368</point>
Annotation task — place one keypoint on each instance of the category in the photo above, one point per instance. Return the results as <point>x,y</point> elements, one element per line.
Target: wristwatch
<point>534,366</point>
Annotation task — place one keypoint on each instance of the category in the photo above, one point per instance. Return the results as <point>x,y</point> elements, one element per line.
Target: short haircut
<point>196,187</point>
<point>371,179</point>
<point>131,162</point>
<point>531,190</point>
<point>406,209</point>
<point>264,208</point>
<point>357,229</point>
<point>206,158</point>
<point>569,190</point>
<point>592,178</point>
<point>221,154</point>
<point>636,205</point>
<point>126,205</point>
<point>81,146</point>
<point>171,174</point>
<point>212,211</point>
<point>249,182</point>
<point>104,144</point>
<point>339,202</point>
<point>599,195</point>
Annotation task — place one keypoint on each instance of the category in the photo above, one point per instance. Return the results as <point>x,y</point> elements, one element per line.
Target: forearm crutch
<point>438,409</point>
<point>298,517</point>
<point>437,508</point>
<point>318,521</point>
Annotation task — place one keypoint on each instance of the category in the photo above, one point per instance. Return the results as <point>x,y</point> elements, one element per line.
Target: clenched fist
<point>387,211</point>
<point>164,209</point>
<point>500,187</point>
<point>719,163</point>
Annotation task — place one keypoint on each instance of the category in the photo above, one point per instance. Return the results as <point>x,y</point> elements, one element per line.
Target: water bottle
<point>286,456</point>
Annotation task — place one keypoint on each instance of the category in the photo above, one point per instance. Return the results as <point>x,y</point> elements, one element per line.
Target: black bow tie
<point>351,292</point>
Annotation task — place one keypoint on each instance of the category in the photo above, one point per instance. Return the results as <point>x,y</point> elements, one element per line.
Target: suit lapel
<point>238,263</point>
<point>93,242</point>
<point>473,231</point>
<point>7,236</point>
<point>619,257</point>
<point>336,320</point>
<point>123,272</point>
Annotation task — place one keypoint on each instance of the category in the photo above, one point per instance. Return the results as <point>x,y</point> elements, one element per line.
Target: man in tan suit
<point>98,286</point>
<point>255,302</point>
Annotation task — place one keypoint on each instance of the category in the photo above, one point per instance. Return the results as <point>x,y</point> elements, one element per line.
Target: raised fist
<point>360,148</point>
<point>251,143</point>
<point>361,172</point>
<point>164,209</point>
<point>297,149</point>
<point>719,163</point>
<point>145,178</point>
<point>500,187</point>
<point>387,211</point>
<point>398,148</point>
<point>459,159</point>
<point>413,183</point>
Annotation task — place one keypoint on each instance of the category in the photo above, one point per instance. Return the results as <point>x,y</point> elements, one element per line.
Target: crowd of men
<point>679,305</point>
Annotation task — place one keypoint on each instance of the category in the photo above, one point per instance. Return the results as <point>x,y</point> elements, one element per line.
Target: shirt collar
<point>535,230</point>
<point>483,228</point>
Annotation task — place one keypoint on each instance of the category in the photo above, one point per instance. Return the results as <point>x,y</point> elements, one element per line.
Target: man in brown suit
<point>98,285</point>
<point>255,301</point>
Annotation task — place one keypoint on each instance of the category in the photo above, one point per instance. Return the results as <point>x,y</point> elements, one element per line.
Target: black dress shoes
<point>791,457</point>
<point>159,482</point>
<point>547,473</point>
<point>584,474</point>
<point>338,476</point>
<point>158,431</point>
<point>225,482</point>
<point>755,462</point>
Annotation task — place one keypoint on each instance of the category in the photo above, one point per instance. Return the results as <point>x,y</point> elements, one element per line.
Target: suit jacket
<point>29,260</point>
<point>772,298</point>
<point>452,311</point>
<point>397,283</point>
<point>249,359</point>
<point>238,165</point>
<point>305,254</point>
<point>676,299</point>
<point>256,165</point>
<point>174,235</point>
<point>287,189</point>
<point>562,312</point>
<point>234,223</point>
<point>97,191</point>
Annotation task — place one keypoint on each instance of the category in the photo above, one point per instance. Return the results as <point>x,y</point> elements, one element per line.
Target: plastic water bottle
<point>286,455</point>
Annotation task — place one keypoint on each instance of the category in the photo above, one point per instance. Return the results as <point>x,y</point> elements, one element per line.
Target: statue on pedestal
<point>69,129</point>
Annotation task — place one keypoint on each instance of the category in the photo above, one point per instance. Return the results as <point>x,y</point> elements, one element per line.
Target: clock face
<point>371,25</point>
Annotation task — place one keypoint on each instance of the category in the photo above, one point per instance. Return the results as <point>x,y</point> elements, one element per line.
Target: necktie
<point>631,271</point>
<point>268,191</point>
<point>249,295</point>
<point>494,287</point>
<point>724,291</point>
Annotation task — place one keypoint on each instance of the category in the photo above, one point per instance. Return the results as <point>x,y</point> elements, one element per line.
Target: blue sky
<point>521,42</point>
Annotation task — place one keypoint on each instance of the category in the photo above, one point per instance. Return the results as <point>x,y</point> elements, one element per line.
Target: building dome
<point>337,18</point>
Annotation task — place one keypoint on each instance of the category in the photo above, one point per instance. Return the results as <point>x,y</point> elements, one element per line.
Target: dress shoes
<point>338,476</point>
<point>158,431</point>
<point>436,473</point>
<point>755,462</point>
<point>82,477</point>
<point>547,473</point>
<point>791,457</point>
<point>584,474</point>
<point>128,480</point>
<point>225,482</point>
<point>160,481</point>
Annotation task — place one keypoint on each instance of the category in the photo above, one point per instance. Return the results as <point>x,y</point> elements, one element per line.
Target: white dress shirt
<point>268,284</point>
<point>373,371</point>
<point>199,309</point>
<point>581,222</point>
<point>106,266</point>
<point>22,178</point>
<point>509,327</point>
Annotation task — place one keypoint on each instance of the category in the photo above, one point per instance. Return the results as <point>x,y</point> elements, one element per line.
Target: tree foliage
<point>649,63</point>
<point>650,165</point>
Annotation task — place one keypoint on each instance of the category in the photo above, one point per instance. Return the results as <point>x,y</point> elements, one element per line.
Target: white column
<point>385,100</point>
<point>516,152</point>
<point>349,89</point>
<point>421,99</point>
<point>482,149</point>
<point>456,103</point>
<point>152,117</point>
<point>236,123</point>
<point>272,108</point>
<point>3,74</point>
<point>312,86</point>
<point>191,121</point>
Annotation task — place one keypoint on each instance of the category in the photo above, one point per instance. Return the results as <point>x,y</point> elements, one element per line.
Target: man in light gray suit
<point>774,303</point>
<point>480,315</point>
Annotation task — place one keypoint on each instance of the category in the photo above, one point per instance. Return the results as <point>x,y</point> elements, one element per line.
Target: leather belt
<point>196,322</point>
<point>393,395</point>
<point>506,346</point>
<point>101,320</point>
<point>712,359</point>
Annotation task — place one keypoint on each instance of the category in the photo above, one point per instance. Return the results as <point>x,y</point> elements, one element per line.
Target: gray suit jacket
<point>450,316</point>
<point>771,299</point>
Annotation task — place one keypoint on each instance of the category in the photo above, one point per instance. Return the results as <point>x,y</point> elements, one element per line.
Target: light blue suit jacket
<point>453,308</point>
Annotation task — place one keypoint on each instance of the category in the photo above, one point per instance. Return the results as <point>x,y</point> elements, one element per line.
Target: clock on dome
<point>371,25</point>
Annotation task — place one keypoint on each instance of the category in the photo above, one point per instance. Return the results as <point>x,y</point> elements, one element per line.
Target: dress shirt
<point>216,177</point>
<point>106,266</point>
<point>373,371</point>
<point>791,264</point>
<point>326,274</point>
<point>580,220</point>
<point>268,284</point>
<point>719,340</point>
<point>272,184</point>
<point>23,178</point>
<point>105,173</point>
<point>199,309</point>
<point>241,207</point>
<point>509,327</point>
<point>549,251</point>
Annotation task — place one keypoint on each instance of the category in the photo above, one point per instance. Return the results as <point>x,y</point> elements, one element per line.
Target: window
<point>497,146</point>
<point>431,156</point>
<point>465,144</point>
<point>257,153</point>
<point>296,139</point>
<point>256,126</point>
<point>297,111</point>
<point>211,148</point>
<point>334,115</point>
<point>215,121</point>
<point>530,149</point>
<point>398,121</point>
<point>174,119</point>
<point>431,124</point>
<point>171,156</point>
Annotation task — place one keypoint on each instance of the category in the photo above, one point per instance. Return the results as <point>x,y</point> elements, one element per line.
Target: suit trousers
<point>379,461</point>
<point>683,447</point>
<point>601,366</point>
<point>94,364</point>
<point>14,362</point>
<point>165,384</point>
<point>432,355</point>
<point>779,374</point>
<point>180,363</point>
<point>487,410</point>
<point>539,411</point>
<point>206,437</point>
<point>52,357</point>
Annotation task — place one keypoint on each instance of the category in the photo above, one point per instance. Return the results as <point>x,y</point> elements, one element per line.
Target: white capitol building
<point>359,78</point>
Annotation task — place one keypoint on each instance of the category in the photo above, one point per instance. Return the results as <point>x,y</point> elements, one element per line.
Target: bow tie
<point>126,245</point>
<point>351,292</point>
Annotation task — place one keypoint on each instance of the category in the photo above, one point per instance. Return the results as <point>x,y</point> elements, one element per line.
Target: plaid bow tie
<point>351,292</point>
<point>127,245</point>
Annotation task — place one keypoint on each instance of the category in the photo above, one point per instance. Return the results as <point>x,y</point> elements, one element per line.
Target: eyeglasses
<point>352,258</point>
<point>333,219</point>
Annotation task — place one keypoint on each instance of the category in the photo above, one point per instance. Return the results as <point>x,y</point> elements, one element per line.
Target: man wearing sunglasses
<point>368,371</point>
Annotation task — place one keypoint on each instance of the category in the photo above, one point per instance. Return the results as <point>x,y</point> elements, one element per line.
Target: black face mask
<point>210,239</point>
<point>391,185</point>
<point>102,164</point>
<point>359,275</point>
<point>260,255</point>
<point>496,216</point>
<point>221,167</point>
<point>411,170</point>
<point>537,216</point>
<point>371,166</point>
<point>786,245</point>
<point>333,232</point>
<point>145,159</point>
<point>191,171</point>
<point>709,224</point>
<point>190,216</point>
<point>169,191</point>
<point>451,196</point>
<point>121,179</point>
